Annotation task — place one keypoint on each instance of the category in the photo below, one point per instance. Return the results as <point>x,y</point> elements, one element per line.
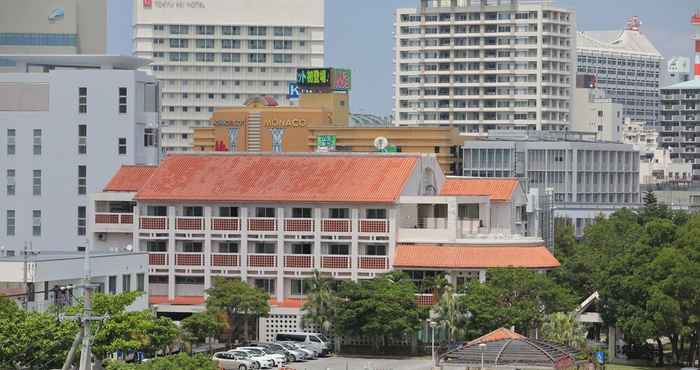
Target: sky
<point>359,36</point>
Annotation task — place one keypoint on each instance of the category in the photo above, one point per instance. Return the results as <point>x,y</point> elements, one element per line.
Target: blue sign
<point>56,14</point>
<point>600,357</point>
<point>293,92</point>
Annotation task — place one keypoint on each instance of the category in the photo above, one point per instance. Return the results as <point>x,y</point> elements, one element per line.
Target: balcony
<point>373,262</point>
<point>225,260</point>
<point>425,299</point>
<point>374,226</point>
<point>153,223</point>
<point>225,224</point>
<point>158,259</point>
<point>114,222</point>
<point>189,223</point>
<point>189,259</point>
<point>336,225</point>
<point>299,225</point>
<point>424,230</point>
<point>262,224</point>
<point>335,262</point>
<point>299,261</point>
<point>262,260</point>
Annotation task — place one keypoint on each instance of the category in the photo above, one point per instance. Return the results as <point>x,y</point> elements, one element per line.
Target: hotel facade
<point>272,219</point>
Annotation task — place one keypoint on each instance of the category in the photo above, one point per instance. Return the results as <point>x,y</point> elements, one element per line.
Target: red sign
<point>147,3</point>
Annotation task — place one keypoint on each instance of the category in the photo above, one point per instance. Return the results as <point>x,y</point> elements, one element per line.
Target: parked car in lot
<point>277,358</point>
<point>232,361</point>
<point>260,361</point>
<point>309,353</point>
<point>316,340</point>
<point>292,355</point>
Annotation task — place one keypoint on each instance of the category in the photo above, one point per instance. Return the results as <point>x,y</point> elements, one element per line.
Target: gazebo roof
<point>507,349</point>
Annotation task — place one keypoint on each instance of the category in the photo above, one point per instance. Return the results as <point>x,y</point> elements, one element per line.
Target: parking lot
<point>355,363</point>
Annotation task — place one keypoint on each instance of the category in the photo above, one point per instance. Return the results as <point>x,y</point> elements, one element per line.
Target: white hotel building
<point>273,219</point>
<point>218,53</point>
<point>485,64</point>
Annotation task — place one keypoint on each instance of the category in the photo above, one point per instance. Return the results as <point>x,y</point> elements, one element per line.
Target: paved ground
<point>342,363</point>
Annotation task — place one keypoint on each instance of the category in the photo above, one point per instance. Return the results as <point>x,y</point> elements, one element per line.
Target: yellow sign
<point>285,123</point>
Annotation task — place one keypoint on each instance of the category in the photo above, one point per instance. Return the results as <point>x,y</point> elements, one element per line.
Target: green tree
<point>383,308</point>
<point>179,362</point>
<point>450,315</point>
<point>238,300</point>
<point>564,328</point>
<point>321,303</point>
<point>202,326</point>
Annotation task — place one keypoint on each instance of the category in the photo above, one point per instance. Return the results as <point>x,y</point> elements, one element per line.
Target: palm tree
<point>438,284</point>
<point>320,306</point>
<point>449,314</point>
<point>563,328</point>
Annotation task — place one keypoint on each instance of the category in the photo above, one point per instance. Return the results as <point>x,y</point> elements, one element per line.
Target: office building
<point>595,112</point>
<point>52,27</point>
<point>587,178</point>
<point>678,70</point>
<point>219,53</point>
<point>55,279</point>
<point>626,65</point>
<point>482,65</point>
<point>680,122</point>
<point>63,133</point>
<point>272,219</point>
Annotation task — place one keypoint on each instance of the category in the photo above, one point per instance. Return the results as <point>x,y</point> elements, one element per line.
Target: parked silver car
<point>232,361</point>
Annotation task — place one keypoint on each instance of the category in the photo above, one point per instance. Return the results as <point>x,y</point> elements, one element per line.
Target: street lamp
<point>482,347</point>
<point>433,324</point>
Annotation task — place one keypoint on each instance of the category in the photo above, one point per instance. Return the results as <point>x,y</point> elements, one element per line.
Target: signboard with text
<point>314,78</point>
<point>325,143</point>
<point>342,79</point>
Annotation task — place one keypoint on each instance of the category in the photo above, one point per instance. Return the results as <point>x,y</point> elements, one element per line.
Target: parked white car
<point>310,353</point>
<point>278,359</point>
<point>232,361</point>
<point>318,341</point>
<point>262,361</point>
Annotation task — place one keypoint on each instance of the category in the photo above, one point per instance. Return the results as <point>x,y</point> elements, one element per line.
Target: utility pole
<point>86,320</point>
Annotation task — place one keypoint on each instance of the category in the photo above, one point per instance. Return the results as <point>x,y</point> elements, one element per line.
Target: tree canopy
<point>238,300</point>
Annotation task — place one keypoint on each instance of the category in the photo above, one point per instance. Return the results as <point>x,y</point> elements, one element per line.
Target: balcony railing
<point>189,259</point>
<point>299,225</point>
<point>335,262</point>
<point>225,260</point>
<point>114,218</point>
<point>425,299</point>
<point>374,226</point>
<point>298,261</point>
<point>158,259</point>
<point>189,223</point>
<point>262,260</point>
<point>431,223</point>
<point>336,225</point>
<point>225,224</point>
<point>153,223</point>
<point>373,262</point>
<point>262,224</point>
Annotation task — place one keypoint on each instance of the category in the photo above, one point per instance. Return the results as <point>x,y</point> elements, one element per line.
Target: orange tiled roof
<point>496,335</point>
<point>178,301</point>
<point>496,189</point>
<point>287,303</point>
<point>278,178</point>
<point>474,256</point>
<point>130,178</point>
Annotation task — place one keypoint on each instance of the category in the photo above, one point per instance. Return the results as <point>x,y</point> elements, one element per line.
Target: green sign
<point>325,143</point>
<point>391,149</point>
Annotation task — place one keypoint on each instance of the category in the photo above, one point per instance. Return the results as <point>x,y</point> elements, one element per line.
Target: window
<point>230,30</point>
<point>228,211</point>
<point>36,182</point>
<point>82,139</point>
<point>82,100</point>
<point>282,31</point>
<point>230,44</point>
<point>257,44</point>
<point>205,44</point>
<point>204,57</point>
<point>468,211</point>
<point>193,211</point>
<point>228,247</point>
<point>122,146</point>
<point>339,249</point>
<point>376,214</point>
<point>82,180</point>
<point>301,248</point>
<point>297,287</point>
<point>179,29</point>
<point>192,247</point>
<point>267,285</point>
<point>126,283</point>
<point>112,285</point>
<point>37,142</point>
<point>140,282</point>
<point>282,44</point>
<point>257,58</point>
<point>265,212</point>
<point>301,212</point>
<point>282,58</point>
<point>149,137</point>
<point>339,213</point>
<point>11,182</point>
<point>122,100</point>
<point>36,222</point>
<point>10,222</point>
<point>82,220</point>
<point>205,30</point>
<point>257,31</point>
<point>11,141</point>
<point>376,250</point>
<point>265,248</point>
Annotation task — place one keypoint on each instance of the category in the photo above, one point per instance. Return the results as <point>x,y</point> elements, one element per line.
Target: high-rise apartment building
<point>53,27</point>
<point>219,53</point>
<point>680,119</point>
<point>66,124</point>
<point>627,66</point>
<point>484,64</point>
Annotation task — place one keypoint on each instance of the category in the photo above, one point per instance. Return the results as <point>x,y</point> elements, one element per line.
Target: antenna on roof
<point>633,24</point>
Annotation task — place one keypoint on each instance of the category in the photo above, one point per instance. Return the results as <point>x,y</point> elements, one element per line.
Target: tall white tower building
<point>484,64</point>
<point>219,53</point>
